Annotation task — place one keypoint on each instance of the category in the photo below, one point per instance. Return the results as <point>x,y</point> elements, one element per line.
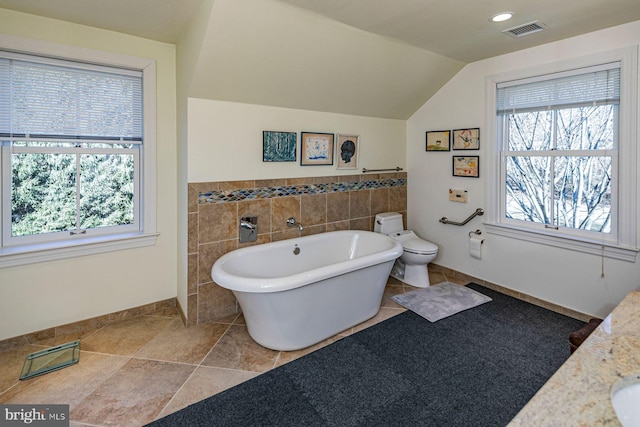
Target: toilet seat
<point>411,243</point>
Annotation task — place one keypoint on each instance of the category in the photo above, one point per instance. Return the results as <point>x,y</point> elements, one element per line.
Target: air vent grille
<point>526,29</point>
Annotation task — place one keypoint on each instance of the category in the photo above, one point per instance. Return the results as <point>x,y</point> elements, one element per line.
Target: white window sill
<point>22,255</point>
<point>605,249</point>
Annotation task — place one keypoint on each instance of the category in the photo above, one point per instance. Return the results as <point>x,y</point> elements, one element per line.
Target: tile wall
<point>320,204</point>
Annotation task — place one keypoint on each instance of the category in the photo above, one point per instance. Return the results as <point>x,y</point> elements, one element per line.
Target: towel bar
<point>396,169</point>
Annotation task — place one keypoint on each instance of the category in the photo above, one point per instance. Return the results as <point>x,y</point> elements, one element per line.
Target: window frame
<point>146,235</point>
<point>623,242</point>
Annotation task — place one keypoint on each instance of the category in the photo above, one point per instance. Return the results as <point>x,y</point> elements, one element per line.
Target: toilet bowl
<point>411,267</point>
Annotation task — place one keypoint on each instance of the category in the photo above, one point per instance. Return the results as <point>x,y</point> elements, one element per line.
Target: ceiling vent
<point>525,29</point>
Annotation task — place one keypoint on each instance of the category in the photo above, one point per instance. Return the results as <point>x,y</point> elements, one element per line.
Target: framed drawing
<point>438,140</point>
<point>347,151</point>
<point>279,146</point>
<point>466,139</point>
<point>316,149</point>
<point>468,166</point>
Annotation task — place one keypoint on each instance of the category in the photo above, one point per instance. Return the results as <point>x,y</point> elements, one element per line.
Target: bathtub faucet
<point>291,222</point>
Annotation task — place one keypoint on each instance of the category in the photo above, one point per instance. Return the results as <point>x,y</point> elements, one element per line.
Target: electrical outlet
<point>458,195</point>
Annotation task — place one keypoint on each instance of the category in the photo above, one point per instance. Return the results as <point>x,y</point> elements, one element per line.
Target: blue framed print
<point>316,149</point>
<point>279,146</point>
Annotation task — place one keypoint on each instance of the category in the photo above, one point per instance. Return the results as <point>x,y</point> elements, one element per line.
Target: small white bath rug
<point>442,300</point>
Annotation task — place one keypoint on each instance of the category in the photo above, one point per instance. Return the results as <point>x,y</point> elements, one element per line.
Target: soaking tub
<point>295,293</point>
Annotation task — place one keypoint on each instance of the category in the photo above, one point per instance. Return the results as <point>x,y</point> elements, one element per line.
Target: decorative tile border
<point>295,190</point>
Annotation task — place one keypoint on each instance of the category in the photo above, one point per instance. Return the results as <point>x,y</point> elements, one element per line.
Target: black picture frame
<point>466,166</point>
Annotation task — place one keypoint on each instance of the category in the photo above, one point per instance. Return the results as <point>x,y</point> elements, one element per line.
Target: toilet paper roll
<point>475,247</point>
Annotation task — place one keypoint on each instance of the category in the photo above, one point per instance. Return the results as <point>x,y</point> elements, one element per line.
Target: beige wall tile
<point>215,302</point>
<point>340,225</point>
<point>260,208</point>
<point>192,315</point>
<point>237,185</point>
<point>313,209</point>
<point>379,201</point>
<point>270,183</point>
<point>192,274</point>
<point>361,224</point>
<point>283,208</point>
<point>192,230</point>
<point>208,254</point>
<point>398,199</point>
<point>192,198</point>
<point>217,221</point>
<point>360,204</point>
<point>337,207</point>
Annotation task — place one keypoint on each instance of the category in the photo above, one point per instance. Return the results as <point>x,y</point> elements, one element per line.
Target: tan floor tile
<point>68,385</point>
<point>125,337</point>
<point>240,320</point>
<point>236,350</point>
<point>63,339</point>
<point>186,345</point>
<point>436,277</point>
<point>166,312</point>
<point>11,363</point>
<point>134,395</point>
<point>205,382</point>
<point>390,291</point>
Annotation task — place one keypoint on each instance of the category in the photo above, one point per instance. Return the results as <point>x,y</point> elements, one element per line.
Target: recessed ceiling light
<point>502,16</point>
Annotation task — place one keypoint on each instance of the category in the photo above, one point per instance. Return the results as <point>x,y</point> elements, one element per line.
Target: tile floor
<point>140,369</point>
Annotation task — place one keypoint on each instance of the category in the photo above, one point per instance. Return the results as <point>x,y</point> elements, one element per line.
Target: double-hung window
<point>559,148</point>
<point>72,136</point>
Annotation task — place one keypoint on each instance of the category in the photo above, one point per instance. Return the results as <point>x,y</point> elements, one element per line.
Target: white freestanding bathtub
<point>297,292</point>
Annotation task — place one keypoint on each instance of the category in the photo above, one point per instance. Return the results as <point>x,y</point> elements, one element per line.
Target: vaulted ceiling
<point>377,58</point>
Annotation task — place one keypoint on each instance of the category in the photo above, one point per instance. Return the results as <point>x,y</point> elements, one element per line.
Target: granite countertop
<point>578,394</point>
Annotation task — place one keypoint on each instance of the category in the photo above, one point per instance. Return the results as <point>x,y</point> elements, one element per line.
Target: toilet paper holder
<point>477,233</point>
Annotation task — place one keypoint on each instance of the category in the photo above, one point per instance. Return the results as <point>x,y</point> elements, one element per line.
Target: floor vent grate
<point>526,29</point>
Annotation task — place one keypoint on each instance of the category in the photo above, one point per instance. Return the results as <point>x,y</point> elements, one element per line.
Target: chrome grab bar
<point>478,212</point>
<point>396,169</point>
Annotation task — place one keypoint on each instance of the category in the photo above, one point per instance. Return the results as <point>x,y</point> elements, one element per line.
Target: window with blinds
<point>72,137</point>
<point>559,151</point>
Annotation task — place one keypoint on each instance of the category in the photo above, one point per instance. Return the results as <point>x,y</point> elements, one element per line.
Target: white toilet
<point>411,267</point>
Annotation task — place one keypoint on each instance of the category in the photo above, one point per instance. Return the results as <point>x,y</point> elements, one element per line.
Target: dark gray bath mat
<point>442,300</point>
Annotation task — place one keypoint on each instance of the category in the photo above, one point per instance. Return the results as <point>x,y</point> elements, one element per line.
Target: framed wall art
<point>466,139</point>
<point>468,166</point>
<point>279,146</point>
<point>438,140</point>
<point>316,149</point>
<point>347,147</point>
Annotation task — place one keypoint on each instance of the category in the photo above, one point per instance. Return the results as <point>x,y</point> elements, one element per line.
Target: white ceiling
<point>378,58</point>
<point>458,29</point>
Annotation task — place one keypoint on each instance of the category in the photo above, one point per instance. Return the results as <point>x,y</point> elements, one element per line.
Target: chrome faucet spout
<point>291,222</point>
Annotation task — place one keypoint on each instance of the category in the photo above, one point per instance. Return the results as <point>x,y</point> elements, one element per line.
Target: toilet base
<point>414,275</point>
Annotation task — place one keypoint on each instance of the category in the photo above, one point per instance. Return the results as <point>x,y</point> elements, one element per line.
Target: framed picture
<point>466,139</point>
<point>468,166</point>
<point>347,151</point>
<point>316,149</point>
<point>279,146</point>
<point>438,140</point>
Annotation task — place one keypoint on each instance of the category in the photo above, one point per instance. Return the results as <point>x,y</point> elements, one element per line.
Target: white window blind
<point>48,100</point>
<point>597,85</point>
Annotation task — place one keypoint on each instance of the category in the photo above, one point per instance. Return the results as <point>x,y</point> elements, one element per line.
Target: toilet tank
<point>388,222</point>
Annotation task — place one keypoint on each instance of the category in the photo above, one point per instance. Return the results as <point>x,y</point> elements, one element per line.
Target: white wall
<point>225,140</point>
<point>44,295</point>
<point>563,277</point>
